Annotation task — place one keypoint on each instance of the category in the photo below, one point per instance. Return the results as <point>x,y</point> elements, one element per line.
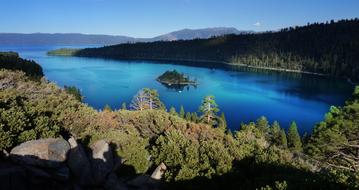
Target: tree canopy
<point>335,141</point>
<point>12,61</point>
<point>146,99</point>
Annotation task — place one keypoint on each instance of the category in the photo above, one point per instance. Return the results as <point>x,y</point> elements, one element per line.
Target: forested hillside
<point>12,61</point>
<point>199,152</point>
<point>328,48</point>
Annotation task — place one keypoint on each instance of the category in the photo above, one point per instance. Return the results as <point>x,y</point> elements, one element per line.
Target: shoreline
<point>180,83</point>
<point>252,67</point>
<point>226,64</point>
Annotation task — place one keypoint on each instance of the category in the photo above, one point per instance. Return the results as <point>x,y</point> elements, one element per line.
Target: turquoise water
<point>243,96</point>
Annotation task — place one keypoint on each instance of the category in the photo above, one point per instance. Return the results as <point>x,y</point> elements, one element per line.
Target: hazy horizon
<point>118,34</point>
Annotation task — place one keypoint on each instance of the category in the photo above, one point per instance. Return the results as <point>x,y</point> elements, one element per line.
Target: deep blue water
<point>243,96</point>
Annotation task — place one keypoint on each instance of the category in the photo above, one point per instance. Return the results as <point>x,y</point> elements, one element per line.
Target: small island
<point>63,52</point>
<point>175,80</point>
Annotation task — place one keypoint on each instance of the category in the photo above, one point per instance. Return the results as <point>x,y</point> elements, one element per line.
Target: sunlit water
<point>243,96</point>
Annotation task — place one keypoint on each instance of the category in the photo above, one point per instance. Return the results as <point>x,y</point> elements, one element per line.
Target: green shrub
<point>130,146</point>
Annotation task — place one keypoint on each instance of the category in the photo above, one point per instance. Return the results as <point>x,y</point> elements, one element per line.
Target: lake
<point>242,95</point>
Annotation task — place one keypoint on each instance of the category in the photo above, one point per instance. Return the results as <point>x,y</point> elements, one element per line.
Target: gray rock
<point>159,171</point>
<point>79,163</point>
<point>12,177</point>
<point>140,181</point>
<point>48,178</point>
<point>102,161</point>
<point>60,174</point>
<point>144,182</point>
<point>4,154</point>
<point>113,183</point>
<point>49,153</point>
<point>117,163</point>
<point>39,175</point>
<point>77,187</point>
<point>36,173</point>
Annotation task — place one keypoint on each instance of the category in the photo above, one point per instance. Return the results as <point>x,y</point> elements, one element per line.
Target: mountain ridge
<point>103,39</point>
<point>204,33</point>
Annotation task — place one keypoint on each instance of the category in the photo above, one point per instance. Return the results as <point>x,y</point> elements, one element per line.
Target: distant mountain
<point>61,39</point>
<point>188,34</point>
<point>86,39</point>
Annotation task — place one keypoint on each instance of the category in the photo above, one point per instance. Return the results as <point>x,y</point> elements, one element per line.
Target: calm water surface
<point>243,96</point>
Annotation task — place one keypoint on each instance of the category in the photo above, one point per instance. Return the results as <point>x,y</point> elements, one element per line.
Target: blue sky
<point>148,18</point>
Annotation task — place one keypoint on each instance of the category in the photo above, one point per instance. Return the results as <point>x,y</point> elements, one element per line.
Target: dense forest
<point>197,148</point>
<point>12,61</point>
<point>330,48</point>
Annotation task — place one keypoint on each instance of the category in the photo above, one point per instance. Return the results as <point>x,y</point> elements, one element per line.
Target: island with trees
<point>174,79</point>
<point>63,52</point>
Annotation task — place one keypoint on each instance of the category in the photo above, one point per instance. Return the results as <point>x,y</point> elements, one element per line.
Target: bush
<point>187,159</point>
<point>32,109</point>
<point>130,146</point>
<point>21,122</point>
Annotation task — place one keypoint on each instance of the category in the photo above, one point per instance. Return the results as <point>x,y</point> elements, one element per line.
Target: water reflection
<point>179,87</point>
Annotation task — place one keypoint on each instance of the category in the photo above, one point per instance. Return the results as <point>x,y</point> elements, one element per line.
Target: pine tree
<point>194,117</point>
<point>75,92</point>
<point>223,122</point>
<point>338,135</point>
<point>153,97</point>
<point>107,108</point>
<point>283,139</point>
<point>146,99</point>
<point>262,124</point>
<point>188,116</point>
<point>209,108</point>
<point>124,106</point>
<point>173,111</point>
<point>139,101</point>
<point>182,113</point>
<point>275,132</point>
<point>294,141</point>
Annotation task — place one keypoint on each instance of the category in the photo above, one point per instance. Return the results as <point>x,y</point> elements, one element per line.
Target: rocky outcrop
<point>102,161</point>
<point>114,183</point>
<point>50,153</point>
<point>60,164</point>
<point>4,154</point>
<point>146,181</point>
<point>12,177</point>
<point>79,163</point>
<point>25,177</point>
<point>159,171</point>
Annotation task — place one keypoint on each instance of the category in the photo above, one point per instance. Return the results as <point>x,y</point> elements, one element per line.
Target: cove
<point>243,95</point>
